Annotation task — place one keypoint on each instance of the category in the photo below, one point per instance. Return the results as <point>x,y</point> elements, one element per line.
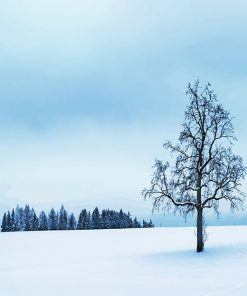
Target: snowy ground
<point>159,261</point>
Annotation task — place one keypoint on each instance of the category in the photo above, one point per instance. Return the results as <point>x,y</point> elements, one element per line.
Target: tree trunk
<point>199,234</point>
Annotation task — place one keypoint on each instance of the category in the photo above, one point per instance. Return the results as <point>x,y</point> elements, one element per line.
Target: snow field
<point>158,261</point>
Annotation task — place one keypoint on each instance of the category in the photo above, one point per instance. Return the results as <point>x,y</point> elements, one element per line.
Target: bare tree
<point>205,171</point>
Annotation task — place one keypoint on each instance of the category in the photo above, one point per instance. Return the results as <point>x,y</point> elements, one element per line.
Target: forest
<point>26,219</point>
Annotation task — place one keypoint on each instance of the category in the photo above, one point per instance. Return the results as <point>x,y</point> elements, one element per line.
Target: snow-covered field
<point>160,261</point>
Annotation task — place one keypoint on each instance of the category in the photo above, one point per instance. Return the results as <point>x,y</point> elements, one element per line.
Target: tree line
<point>26,219</point>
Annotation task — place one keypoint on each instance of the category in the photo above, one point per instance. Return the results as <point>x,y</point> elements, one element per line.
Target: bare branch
<point>205,170</point>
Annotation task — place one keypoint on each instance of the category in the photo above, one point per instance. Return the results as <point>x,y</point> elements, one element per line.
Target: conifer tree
<point>13,225</point>
<point>4,223</point>
<point>88,221</point>
<point>147,224</point>
<point>63,219</point>
<point>136,224</point>
<point>123,223</point>
<point>72,222</point>
<point>43,221</point>
<point>8,222</point>
<point>27,218</point>
<point>17,218</point>
<point>34,221</point>
<point>144,224</point>
<point>151,224</point>
<point>111,219</point>
<point>20,216</point>
<point>96,219</point>
<point>53,220</point>
<point>79,224</point>
<point>130,221</point>
<point>104,219</point>
<point>83,220</point>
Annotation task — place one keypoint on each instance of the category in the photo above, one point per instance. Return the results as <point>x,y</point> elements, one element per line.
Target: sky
<point>90,90</point>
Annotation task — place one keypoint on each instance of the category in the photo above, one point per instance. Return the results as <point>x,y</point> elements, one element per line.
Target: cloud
<point>89,90</point>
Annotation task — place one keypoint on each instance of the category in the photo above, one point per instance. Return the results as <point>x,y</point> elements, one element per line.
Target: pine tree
<point>79,224</point>
<point>111,219</point>
<point>8,222</point>
<point>4,223</point>
<point>34,221</point>
<point>27,218</point>
<point>63,219</point>
<point>20,218</point>
<point>96,223</point>
<point>13,225</point>
<point>121,219</point>
<point>17,218</point>
<point>43,221</point>
<point>129,221</point>
<point>72,222</point>
<point>147,224</point>
<point>136,224</point>
<point>88,221</point>
<point>83,220</point>
<point>53,220</point>
<point>104,219</point>
<point>150,224</point>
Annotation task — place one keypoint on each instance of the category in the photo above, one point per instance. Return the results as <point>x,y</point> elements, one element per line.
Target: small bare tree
<point>205,171</point>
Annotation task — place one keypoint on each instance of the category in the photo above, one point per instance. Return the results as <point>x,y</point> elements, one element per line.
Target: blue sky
<point>89,90</point>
